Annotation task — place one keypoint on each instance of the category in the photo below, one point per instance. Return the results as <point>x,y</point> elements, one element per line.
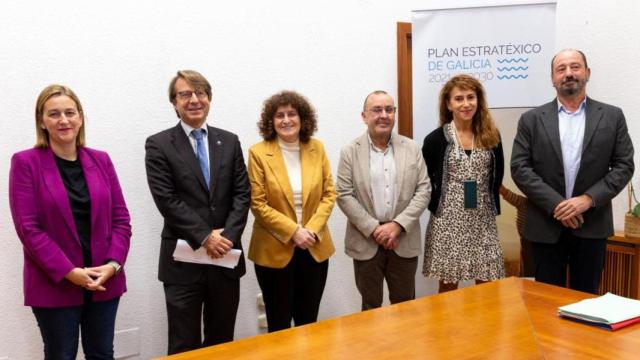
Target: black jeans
<point>60,328</point>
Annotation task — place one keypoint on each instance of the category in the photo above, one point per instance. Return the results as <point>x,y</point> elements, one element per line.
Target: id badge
<point>470,194</point>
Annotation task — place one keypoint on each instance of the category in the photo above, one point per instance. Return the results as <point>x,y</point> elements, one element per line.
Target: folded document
<point>609,311</point>
<point>185,253</point>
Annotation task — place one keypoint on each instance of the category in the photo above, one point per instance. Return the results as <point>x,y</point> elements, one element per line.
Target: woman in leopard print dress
<point>466,165</point>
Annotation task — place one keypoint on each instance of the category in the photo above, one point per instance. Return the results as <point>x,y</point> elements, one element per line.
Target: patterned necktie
<point>201,153</point>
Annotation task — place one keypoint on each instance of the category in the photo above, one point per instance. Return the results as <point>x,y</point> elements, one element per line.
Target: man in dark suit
<point>570,158</point>
<point>198,180</point>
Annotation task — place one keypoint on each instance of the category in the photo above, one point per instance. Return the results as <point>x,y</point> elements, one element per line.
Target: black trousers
<point>527,262</point>
<point>293,292</point>
<point>585,258</point>
<point>214,299</point>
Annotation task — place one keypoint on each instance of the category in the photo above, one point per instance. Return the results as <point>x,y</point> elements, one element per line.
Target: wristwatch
<point>115,265</point>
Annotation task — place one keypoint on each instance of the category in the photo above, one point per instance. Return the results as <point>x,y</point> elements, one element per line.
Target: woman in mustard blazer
<point>292,196</point>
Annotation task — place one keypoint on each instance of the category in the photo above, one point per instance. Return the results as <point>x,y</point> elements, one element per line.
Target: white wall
<point>119,56</point>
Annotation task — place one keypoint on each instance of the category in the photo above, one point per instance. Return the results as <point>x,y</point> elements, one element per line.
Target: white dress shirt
<point>382,168</point>
<point>571,126</point>
<point>194,145</point>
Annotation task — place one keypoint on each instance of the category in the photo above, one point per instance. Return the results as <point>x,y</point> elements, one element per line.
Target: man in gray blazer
<point>570,157</point>
<point>383,188</point>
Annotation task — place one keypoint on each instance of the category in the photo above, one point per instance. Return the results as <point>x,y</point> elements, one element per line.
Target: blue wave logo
<point>511,77</point>
<point>513,68</point>
<point>513,60</point>
<point>512,72</point>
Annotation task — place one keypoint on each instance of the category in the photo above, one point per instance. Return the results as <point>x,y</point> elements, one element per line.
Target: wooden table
<point>506,319</point>
<point>565,339</point>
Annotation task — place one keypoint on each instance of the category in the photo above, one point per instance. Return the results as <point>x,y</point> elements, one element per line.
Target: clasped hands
<point>387,235</point>
<point>304,238</point>
<point>569,212</point>
<point>92,278</point>
<point>217,245</point>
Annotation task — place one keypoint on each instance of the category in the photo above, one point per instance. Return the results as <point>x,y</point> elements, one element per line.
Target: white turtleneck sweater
<point>291,155</point>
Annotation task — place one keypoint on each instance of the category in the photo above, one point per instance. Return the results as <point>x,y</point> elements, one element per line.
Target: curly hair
<point>306,112</point>
<point>483,126</point>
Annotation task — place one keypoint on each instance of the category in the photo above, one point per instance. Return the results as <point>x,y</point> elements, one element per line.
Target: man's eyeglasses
<point>186,95</point>
<point>388,109</point>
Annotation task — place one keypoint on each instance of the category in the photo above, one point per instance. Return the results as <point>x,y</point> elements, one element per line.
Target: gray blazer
<point>353,185</point>
<point>536,167</point>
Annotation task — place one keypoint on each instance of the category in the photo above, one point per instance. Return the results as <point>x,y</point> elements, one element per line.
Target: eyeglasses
<point>186,95</point>
<point>388,109</point>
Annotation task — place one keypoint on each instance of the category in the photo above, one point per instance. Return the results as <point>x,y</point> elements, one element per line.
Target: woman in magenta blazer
<point>70,215</point>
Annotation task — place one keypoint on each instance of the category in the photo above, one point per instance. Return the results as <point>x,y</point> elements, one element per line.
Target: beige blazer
<point>353,185</point>
<point>272,203</point>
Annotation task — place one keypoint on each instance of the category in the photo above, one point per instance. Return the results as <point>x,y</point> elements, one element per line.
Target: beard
<point>571,86</point>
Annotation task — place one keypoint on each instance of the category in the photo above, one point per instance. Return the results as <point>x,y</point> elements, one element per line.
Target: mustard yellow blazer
<point>272,203</point>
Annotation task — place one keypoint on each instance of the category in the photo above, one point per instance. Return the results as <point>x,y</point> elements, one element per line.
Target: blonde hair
<point>42,136</point>
<point>485,130</point>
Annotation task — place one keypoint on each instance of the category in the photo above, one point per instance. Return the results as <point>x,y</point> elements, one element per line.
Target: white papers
<point>606,309</point>
<point>185,253</point>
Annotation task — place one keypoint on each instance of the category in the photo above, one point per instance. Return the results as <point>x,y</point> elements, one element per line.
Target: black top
<point>434,151</point>
<point>76,186</point>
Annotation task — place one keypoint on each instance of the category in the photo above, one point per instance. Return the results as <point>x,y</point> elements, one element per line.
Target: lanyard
<point>460,150</point>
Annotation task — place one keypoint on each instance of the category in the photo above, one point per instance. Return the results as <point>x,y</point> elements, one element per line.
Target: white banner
<point>508,48</point>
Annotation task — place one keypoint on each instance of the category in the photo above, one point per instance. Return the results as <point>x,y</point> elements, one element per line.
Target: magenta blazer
<point>44,223</point>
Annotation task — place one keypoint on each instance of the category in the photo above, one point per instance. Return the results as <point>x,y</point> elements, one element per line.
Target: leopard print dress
<point>462,244</point>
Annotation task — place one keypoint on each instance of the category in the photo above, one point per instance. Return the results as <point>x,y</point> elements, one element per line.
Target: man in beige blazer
<point>383,188</point>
